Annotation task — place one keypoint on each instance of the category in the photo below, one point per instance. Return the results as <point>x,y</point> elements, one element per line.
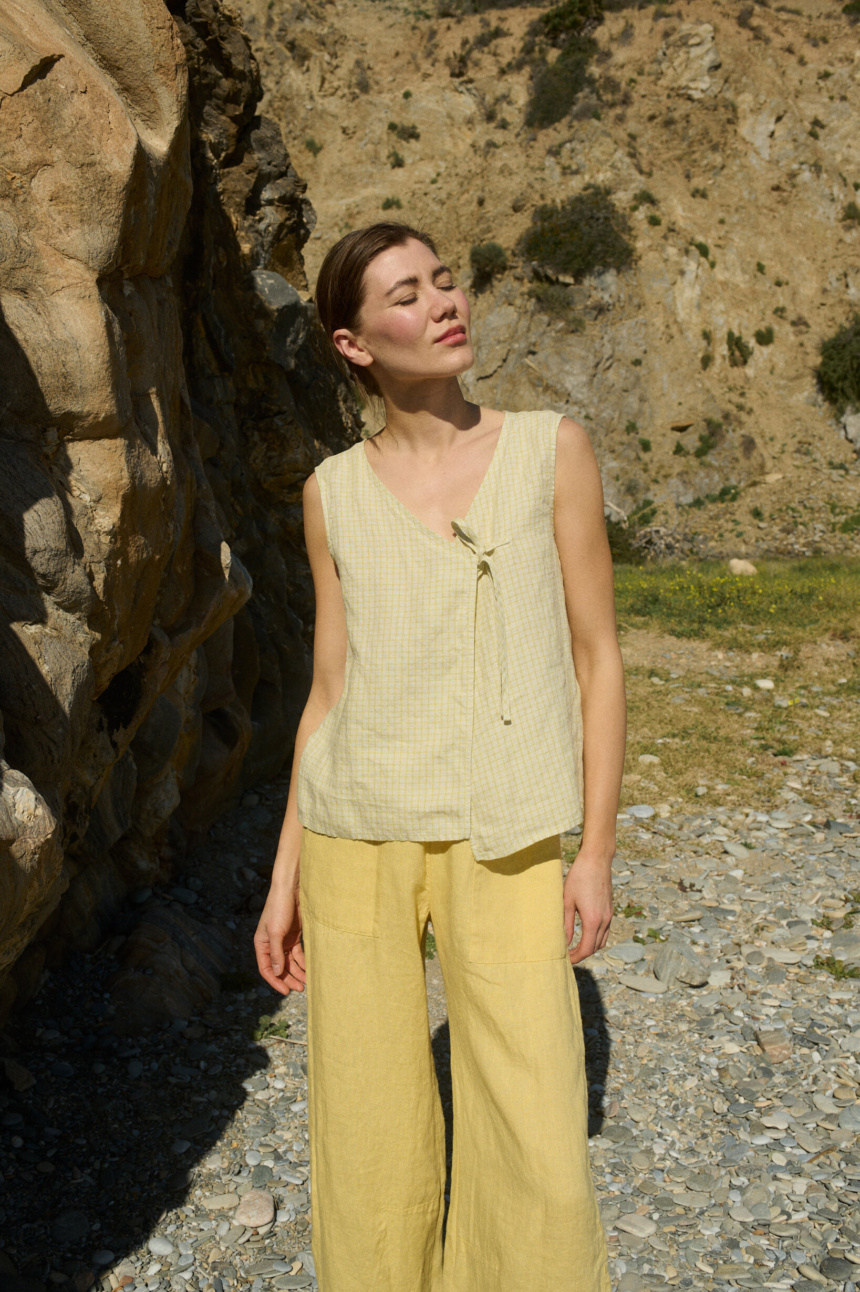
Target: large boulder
<point>165,396</point>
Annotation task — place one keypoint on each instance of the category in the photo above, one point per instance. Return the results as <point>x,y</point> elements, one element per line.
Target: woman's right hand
<point>280,954</point>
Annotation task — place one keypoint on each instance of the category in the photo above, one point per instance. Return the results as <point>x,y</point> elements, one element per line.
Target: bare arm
<point>580,534</point>
<point>280,956</point>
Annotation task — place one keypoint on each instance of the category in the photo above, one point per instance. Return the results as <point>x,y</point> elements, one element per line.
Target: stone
<point>836,1267</point>
<point>625,952</point>
<point>160,1246</point>
<point>70,1227</point>
<point>845,946</point>
<point>775,1042</point>
<point>735,849</point>
<point>256,1208</point>
<point>678,961</point>
<point>641,811</point>
<point>849,1118</point>
<point>741,567</point>
<point>783,956</point>
<point>220,1201</point>
<point>639,1226</point>
<point>643,983</point>
<point>687,61</point>
<point>667,964</point>
<point>172,967</point>
<point>764,683</point>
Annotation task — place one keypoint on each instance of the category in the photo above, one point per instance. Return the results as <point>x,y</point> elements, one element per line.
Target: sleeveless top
<point>460,712</point>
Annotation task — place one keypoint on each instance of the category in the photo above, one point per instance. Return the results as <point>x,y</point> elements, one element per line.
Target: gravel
<point>722,1058</point>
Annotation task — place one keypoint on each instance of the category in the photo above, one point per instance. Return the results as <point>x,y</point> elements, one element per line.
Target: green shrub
<point>407,94</point>
<point>706,360</point>
<point>644,444</point>
<point>631,428</point>
<point>312,146</point>
<point>679,451</point>
<point>643,198</point>
<point>389,203</point>
<point>396,159</point>
<point>555,86</point>
<point>839,370</point>
<point>567,19</point>
<point>488,260</point>
<point>703,249</point>
<point>739,350</point>
<point>556,300</point>
<point>757,513</point>
<point>582,235</point>
<point>655,219</point>
<point>759,267</point>
<point>404,132</point>
<point>764,335</point>
<point>851,212</point>
<point>707,440</point>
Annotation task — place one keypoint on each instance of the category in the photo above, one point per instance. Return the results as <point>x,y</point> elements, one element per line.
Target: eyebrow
<point>413,280</point>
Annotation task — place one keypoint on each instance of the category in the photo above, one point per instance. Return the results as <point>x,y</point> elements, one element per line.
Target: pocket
<point>516,909</point>
<point>337,883</point>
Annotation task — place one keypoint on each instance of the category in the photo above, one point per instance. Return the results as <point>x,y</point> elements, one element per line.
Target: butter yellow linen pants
<point>523,1215</point>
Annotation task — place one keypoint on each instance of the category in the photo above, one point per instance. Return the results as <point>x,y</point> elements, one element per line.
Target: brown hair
<point>340,285</point>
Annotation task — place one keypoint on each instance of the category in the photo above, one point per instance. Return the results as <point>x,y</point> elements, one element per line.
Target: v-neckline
<point>428,529</point>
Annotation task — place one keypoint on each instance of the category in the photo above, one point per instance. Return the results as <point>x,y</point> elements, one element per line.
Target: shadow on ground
<point>102,1136</point>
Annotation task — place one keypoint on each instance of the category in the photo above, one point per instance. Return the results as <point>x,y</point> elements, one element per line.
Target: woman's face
<point>414,322</point>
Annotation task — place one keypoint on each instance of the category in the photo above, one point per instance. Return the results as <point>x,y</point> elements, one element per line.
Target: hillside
<point>738,123</point>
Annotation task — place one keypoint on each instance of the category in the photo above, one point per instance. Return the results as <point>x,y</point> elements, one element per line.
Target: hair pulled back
<point>340,284</point>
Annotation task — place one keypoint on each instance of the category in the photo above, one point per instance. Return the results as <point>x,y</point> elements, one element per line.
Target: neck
<point>427,413</point>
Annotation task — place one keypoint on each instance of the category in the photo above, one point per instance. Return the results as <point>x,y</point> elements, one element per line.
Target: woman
<point>467,706</point>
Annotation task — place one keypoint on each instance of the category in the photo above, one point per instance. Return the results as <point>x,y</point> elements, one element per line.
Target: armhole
<point>320,473</point>
<point>554,421</point>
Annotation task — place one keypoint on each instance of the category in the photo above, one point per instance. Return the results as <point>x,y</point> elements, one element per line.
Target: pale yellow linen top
<point>460,713</point>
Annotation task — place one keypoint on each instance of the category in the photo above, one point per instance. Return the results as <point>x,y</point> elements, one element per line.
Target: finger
<point>277,984</point>
<point>586,945</point>
<point>277,952</point>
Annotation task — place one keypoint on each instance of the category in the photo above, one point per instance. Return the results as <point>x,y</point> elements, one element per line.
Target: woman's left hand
<point>588,894</point>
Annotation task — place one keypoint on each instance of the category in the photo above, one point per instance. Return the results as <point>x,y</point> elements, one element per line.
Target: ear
<point>351,348</point>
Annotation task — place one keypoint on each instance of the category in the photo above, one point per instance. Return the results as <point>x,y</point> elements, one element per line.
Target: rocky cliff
<point>726,136</point>
<point>164,397</point>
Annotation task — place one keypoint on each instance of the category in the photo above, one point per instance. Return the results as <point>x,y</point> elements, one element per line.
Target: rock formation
<point>164,397</point>
<point>726,137</point>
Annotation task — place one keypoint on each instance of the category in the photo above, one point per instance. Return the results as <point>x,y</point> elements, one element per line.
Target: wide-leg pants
<point>523,1215</point>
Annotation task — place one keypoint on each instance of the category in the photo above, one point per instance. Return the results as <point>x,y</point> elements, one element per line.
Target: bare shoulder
<point>572,441</point>
<point>576,471</point>
<point>311,491</point>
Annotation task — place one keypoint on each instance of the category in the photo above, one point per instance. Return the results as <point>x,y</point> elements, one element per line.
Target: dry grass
<point>693,698</point>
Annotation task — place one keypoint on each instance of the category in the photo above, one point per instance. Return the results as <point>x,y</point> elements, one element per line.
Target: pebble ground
<point>722,1030</point>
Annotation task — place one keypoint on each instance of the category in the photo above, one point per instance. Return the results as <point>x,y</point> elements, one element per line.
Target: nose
<point>444,304</point>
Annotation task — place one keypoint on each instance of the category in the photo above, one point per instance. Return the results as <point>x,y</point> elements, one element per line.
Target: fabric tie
<point>483,553</point>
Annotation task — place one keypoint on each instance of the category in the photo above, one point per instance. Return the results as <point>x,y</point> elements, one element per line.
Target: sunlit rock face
<point>164,396</point>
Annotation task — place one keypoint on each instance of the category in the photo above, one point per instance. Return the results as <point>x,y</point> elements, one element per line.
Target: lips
<point>457,333</point>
